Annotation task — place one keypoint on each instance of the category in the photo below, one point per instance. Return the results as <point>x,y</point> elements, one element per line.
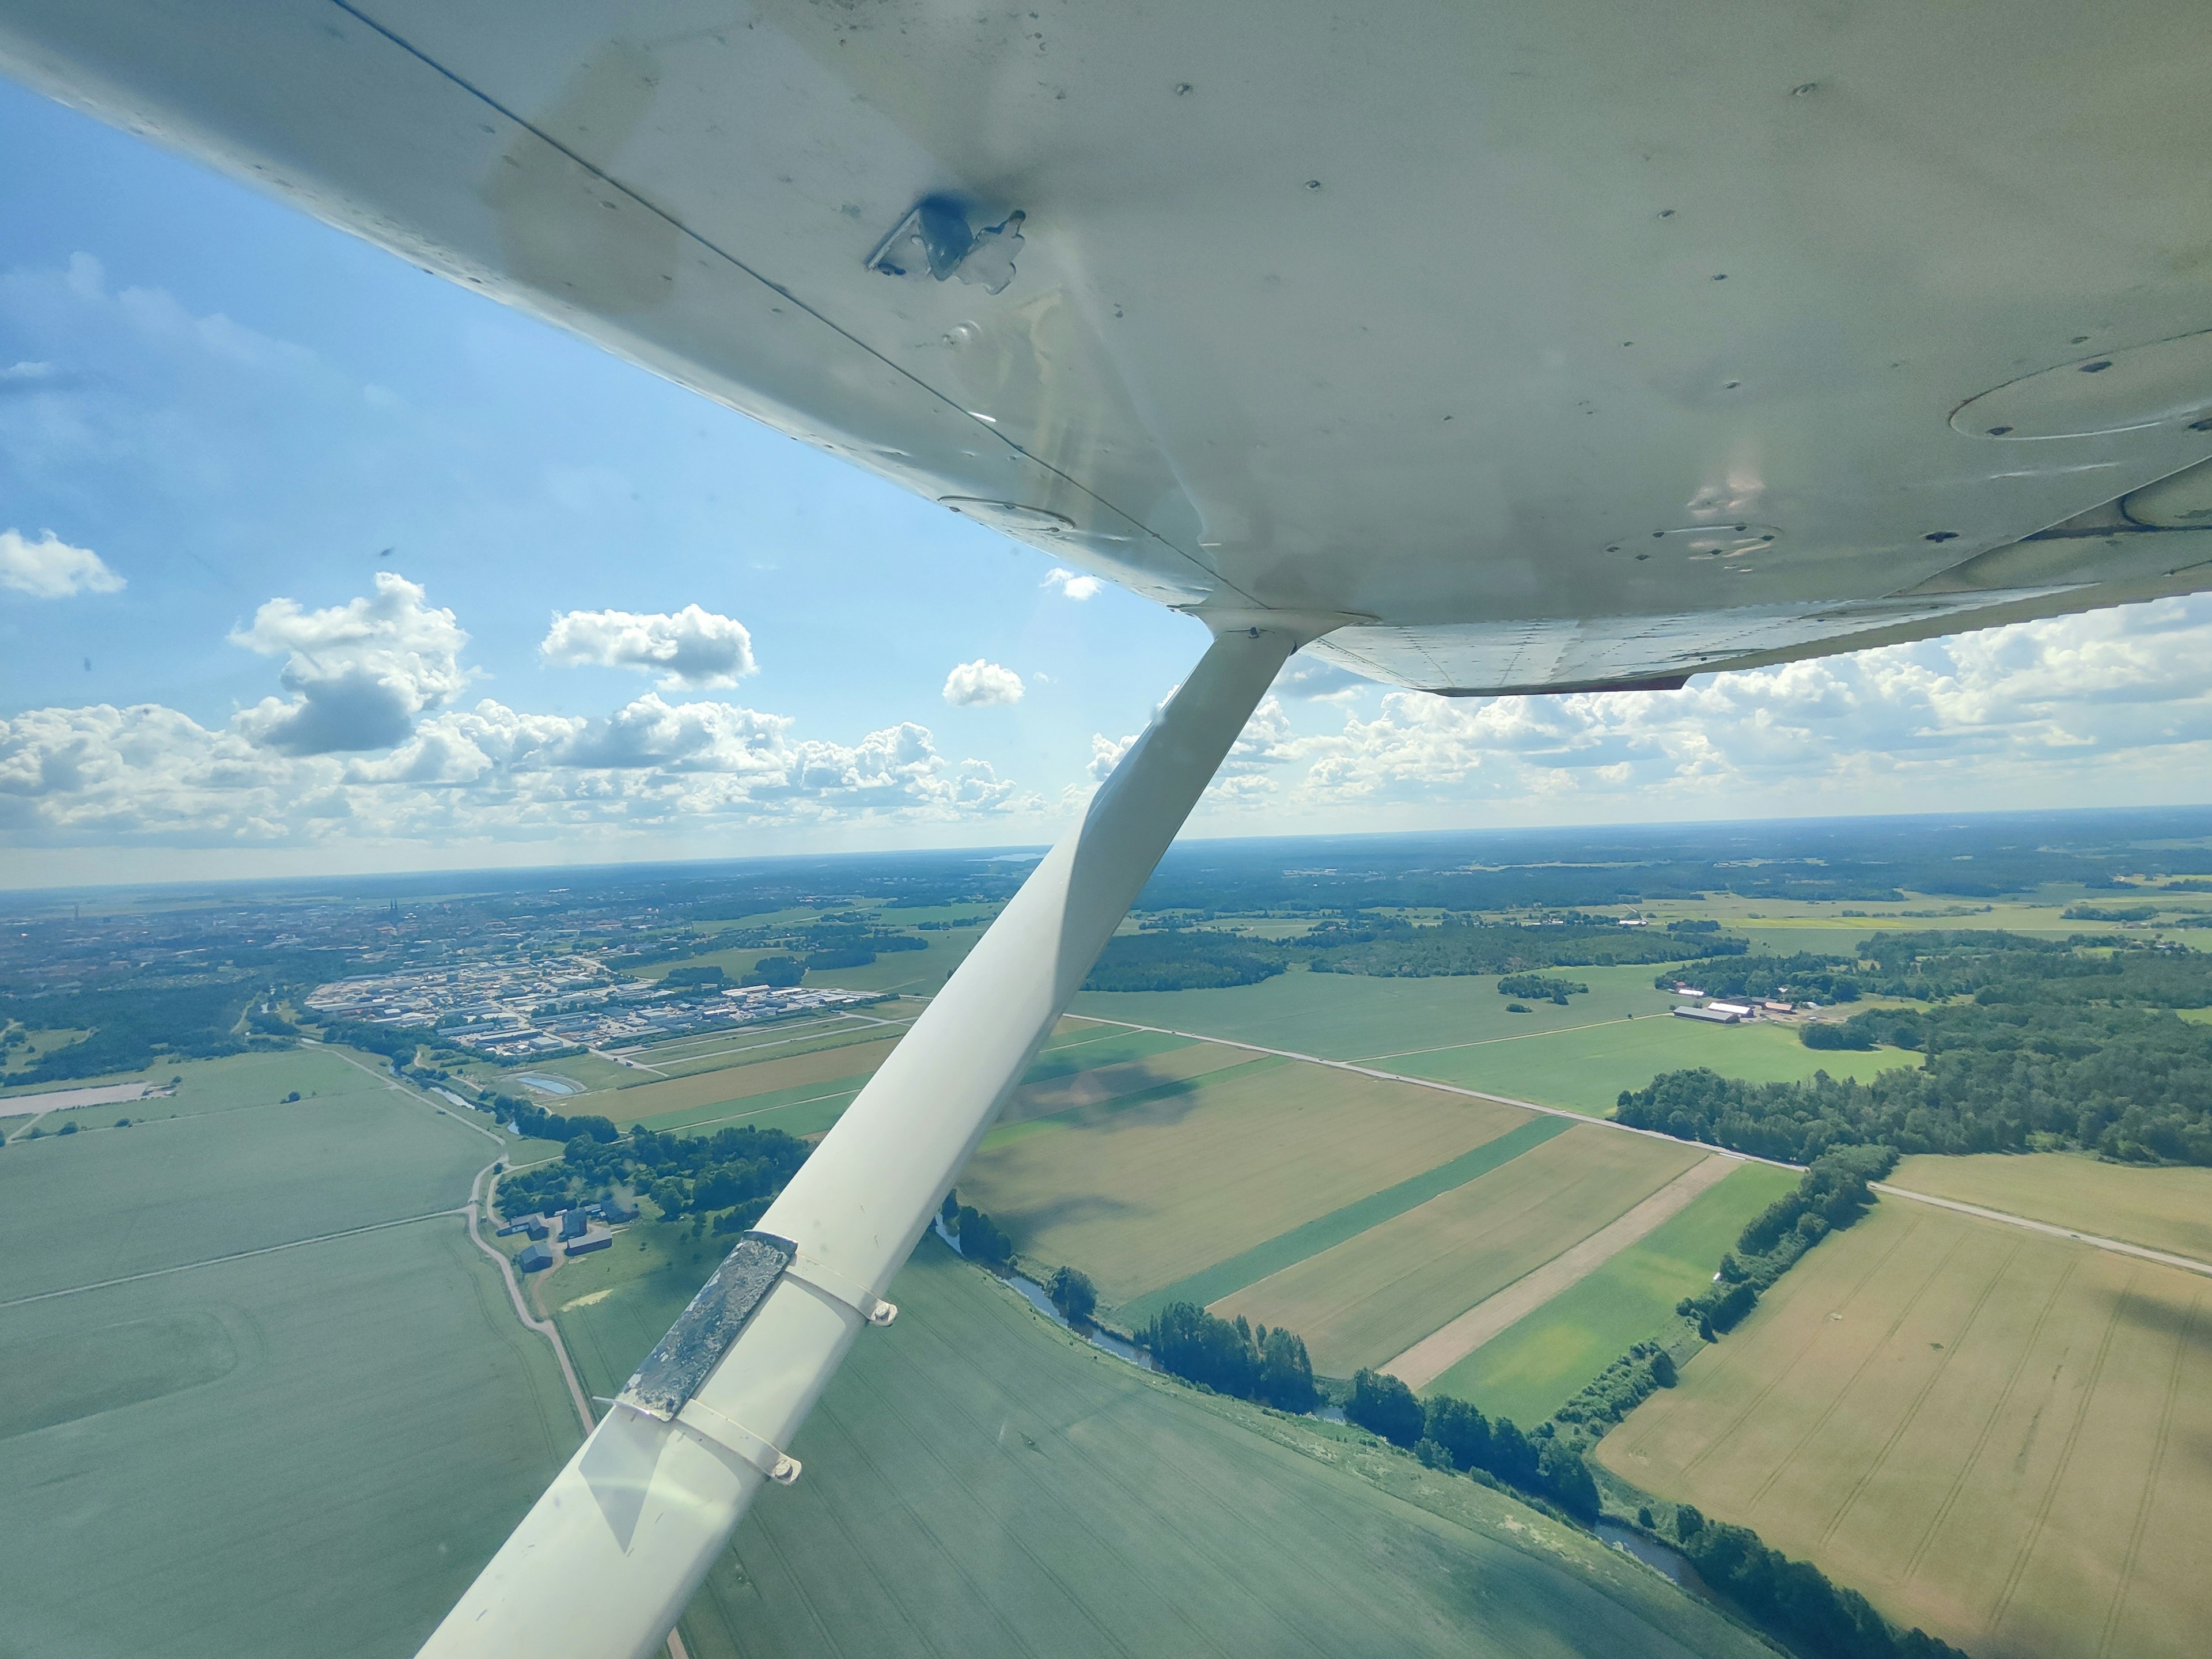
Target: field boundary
<point>1347,1222</point>
<point>2117,1246</point>
<point>1498,1312</point>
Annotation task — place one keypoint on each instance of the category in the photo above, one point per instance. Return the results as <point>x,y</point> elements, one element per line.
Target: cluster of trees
<point>1805,976</point>
<point>130,1025</point>
<point>1183,959</point>
<point>1073,1294</point>
<point>725,1180</point>
<point>2072,1050</point>
<point>1541,986</point>
<point>532,1120</point>
<point>1618,1389</point>
<point>1795,1599</point>
<point>1231,1358</point>
<point>981,1239</point>
<point>706,975</point>
<point>1831,1194</point>
<point>1449,1434</point>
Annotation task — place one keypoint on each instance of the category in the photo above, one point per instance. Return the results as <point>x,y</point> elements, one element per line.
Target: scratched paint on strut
<point>705,1330</point>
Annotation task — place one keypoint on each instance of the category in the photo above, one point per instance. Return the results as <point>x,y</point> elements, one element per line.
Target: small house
<point>585,1246</point>
<point>574,1224</point>
<point>535,1258</point>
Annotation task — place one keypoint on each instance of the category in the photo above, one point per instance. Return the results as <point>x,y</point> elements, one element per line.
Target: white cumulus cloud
<point>50,568</point>
<point>359,674</point>
<point>1072,584</point>
<point>979,684</point>
<point>694,649</point>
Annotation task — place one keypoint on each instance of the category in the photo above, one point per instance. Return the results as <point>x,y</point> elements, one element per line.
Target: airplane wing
<point>1601,346</point>
<point>1480,348</point>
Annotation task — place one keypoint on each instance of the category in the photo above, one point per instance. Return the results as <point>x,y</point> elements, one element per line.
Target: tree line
<point>1231,1357</point>
<point>1446,1433</point>
<point>1191,958</point>
<point>1795,1599</point>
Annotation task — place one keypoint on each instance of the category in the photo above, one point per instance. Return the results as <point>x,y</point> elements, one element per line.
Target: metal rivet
<point>1313,184</point>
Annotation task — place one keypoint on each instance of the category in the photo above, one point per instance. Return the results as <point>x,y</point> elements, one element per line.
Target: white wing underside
<point>1430,320</point>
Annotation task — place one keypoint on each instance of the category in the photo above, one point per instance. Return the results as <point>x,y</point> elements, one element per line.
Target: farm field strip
<point>261,1436</point>
<point>1533,1367</point>
<point>1225,1279</point>
<point>1435,1354</point>
<point>1159,1186</point>
<point>1376,1295</point>
<point>1995,1434</point>
<point>1099,1085</point>
<point>2166,1209</point>
<point>2115,1246</point>
<point>235,1256</point>
<point>1484,1043</point>
<point>654,1102</point>
<point>1426,1083</point>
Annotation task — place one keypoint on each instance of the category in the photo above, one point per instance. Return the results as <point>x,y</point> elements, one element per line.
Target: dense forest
<point>1192,958</point>
<point>2024,1044</point>
<point>134,1020</point>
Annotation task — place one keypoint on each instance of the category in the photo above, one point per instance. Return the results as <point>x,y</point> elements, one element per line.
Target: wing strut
<point>608,1557</point>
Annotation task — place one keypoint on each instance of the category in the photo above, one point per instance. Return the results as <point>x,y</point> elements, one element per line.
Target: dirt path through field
<point>1437,1352</point>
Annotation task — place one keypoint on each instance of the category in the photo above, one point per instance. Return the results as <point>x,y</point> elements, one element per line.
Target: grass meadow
<point>978,1482</point>
<point>1370,1298</point>
<point>319,1443</point>
<point>2165,1209</point>
<point>1996,1434</point>
<point>1533,1367</point>
<point>1458,1031</point>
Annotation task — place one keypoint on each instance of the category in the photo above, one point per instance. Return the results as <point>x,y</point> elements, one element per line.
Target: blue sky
<point>616,621</point>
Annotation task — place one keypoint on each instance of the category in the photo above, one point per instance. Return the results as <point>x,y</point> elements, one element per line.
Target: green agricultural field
<point>220,1084</point>
<point>108,1202</point>
<point>2166,1209</point>
<point>1456,1030</point>
<point>679,1056</point>
<point>672,1103</point>
<point>915,973</point>
<point>1996,1434</point>
<point>978,1482</point>
<point>330,1438</point>
<point>1377,1021</point>
<point>1585,1070</point>
<point>1533,1367</point>
<point>1372,1297</point>
<point>1146,1191</point>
